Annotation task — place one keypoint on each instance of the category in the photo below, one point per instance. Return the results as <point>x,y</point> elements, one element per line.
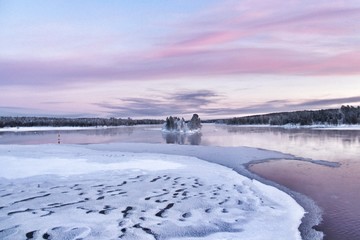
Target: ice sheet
<point>93,192</point>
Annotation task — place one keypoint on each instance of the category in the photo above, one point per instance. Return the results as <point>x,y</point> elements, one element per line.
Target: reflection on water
<point>332,145</point>
<point>335,189</point>
<point>178,138</point>
<point>317,144</point>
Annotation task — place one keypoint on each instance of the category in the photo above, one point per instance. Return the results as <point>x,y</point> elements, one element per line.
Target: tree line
<point>344,115</point>
<point>71,122</point>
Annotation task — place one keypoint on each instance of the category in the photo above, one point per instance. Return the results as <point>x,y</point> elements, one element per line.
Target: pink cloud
<point>342,64</point>
<point>266,18</point>
<point>202,63</point>
<point>194,44</point>
<point>237,23</point>
<point>328,22</point>
<point>210,38</point>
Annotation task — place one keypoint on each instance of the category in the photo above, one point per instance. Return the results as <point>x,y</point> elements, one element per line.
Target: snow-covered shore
<point>337,127</point>
<point>288,126</point>
<point>41,129</point>
<point>111,190</point>
<point>298,126</point>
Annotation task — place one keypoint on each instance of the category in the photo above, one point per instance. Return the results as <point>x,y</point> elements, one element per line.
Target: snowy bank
<point>337,127</point>
<point>40,129</point>
<point>102,192</point>
<point>324,126</point>
<point>298,126</point>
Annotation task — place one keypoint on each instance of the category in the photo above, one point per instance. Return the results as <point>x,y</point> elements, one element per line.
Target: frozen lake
<point>336,190</point>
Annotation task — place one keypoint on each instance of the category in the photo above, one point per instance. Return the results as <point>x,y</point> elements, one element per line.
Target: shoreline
<point>345,127</point>
<point>313,215</point>
<point>64,128</point>
<point>335,190</point>
<point>342,127</point>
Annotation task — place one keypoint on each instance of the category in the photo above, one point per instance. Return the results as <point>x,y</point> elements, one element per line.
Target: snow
<point>39,129</point>
<point>66,167</point>
<point>232,157</point>
<point>298,126</point>
<point>324,126</point>
<point>337,127</point>
<point>122,190</point>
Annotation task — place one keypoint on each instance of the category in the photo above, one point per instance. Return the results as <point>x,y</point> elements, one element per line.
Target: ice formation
<point>99,192</point>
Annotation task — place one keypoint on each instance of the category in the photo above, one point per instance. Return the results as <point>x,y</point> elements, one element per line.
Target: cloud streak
<point>205,102</point>
<point>328,102</point>
<point>202,63</point>
<point>176,103</point>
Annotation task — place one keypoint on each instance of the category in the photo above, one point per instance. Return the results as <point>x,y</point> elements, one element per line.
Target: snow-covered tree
<point>179,124</point>
<point>195,122</point>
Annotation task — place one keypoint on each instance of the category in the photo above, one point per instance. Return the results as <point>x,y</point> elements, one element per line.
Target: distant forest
<point>71,122</point>
<point>344,115</point>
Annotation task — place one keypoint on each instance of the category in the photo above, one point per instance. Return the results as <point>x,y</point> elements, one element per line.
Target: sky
<point>152,59</point>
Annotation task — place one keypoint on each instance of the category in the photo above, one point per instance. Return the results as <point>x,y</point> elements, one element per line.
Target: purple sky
<point>158,58</point>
